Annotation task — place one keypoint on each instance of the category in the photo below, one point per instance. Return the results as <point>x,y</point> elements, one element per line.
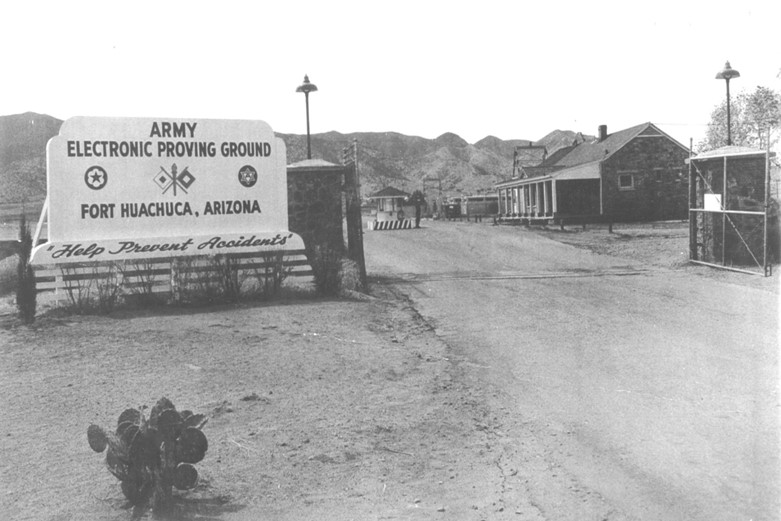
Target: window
<point>626,182</point>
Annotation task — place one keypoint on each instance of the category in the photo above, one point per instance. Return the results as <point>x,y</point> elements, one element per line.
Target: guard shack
<point>732,223</point>
<point>391,211</point>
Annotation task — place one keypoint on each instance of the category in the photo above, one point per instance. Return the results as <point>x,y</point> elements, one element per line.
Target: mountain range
<point>445,166</point>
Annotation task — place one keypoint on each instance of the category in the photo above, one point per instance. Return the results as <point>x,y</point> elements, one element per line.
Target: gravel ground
<point>664,244</point>
<point>319,409</point>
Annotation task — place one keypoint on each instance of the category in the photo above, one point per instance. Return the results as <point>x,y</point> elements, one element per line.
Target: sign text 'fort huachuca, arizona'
<point>132,188</point>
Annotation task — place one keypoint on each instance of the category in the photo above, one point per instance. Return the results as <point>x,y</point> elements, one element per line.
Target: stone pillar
<point>314,197</point>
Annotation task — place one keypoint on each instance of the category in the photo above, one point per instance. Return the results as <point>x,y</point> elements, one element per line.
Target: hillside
<point>23,139</point>
<point>447,165</point>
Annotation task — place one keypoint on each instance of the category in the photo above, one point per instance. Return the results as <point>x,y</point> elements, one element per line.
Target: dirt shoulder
<point>324,409</point>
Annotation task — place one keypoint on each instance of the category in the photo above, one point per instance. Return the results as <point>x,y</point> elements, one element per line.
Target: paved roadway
<point>627,391</point>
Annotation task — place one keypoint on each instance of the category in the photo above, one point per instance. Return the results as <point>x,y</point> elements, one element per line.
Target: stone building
<point>636,174</point>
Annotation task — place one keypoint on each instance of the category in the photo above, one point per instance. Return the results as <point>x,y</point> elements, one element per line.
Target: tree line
<point>755,121</point>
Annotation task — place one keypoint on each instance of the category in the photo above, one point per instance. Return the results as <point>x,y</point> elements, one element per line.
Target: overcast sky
<point>512,69</point>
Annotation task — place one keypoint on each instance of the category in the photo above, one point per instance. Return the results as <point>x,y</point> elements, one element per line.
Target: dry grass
<point>664,245</point>
<point>660,244</point>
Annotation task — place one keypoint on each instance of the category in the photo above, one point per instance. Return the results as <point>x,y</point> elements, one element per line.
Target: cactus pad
<point>96,438</point>
<point>185,476</point>
<point>129,415</point>
<point>191,446</point>
<point>169,423</point>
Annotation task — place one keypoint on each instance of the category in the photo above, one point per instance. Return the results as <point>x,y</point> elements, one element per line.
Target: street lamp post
<point>727,74</point>
<point>306,88</point>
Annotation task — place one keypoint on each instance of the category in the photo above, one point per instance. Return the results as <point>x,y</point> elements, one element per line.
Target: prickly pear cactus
<point>152,455</point>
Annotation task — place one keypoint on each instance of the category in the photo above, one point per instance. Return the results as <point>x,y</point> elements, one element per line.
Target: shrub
<point>195,281</point>
<point>350,276</point>
<point>142,291</point>
<point>183,280</point>
<point>8,274</point>
<point>109,286</point>
<point>326,265</point>
<point>98,291</point>
<point>78,289</point>
<point>101,286</point>
<point>269,277</point>
<point>229,276</point>
<point>207,280</point>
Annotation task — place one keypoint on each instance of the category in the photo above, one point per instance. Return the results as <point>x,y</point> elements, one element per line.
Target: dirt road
<point>494,375</point>
<point>621,390</point>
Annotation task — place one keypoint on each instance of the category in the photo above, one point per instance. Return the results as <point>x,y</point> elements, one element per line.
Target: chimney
<point>602,133</point>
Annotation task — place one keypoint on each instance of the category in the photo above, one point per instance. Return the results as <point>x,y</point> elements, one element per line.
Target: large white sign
<point>113,182</point>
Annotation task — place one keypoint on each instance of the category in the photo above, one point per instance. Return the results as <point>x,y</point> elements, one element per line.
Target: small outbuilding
<point>733,222</point>
<point>391,212</point>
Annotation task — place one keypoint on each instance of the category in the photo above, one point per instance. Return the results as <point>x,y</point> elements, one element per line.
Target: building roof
<point>389,193</point>
<point>730,151</point>
<point>596,150</point>
<point>313,163</point>
<point>537,171</point>
<point>555,157</point>
<point>588,151</point>
<point>584,171</point>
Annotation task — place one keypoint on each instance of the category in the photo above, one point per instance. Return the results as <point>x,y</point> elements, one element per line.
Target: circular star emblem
<point>248,176</point>
<point>95,177</point>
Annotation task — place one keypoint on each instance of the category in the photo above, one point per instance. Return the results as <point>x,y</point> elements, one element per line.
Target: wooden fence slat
<point>155,274</point>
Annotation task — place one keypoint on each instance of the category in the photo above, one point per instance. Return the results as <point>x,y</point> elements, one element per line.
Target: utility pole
<point>727,74</point>
<point>306,88</point>
<point>352,188</point>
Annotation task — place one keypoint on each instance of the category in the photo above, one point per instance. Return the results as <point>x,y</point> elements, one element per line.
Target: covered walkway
<point>572,194</point>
